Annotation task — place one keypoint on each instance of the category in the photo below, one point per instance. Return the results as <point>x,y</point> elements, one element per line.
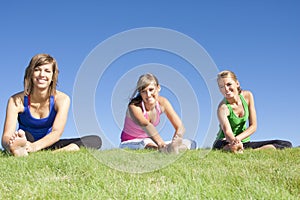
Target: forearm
<point>229,136</point>
<point>179,132</point>
<point>158,140</point>
<point>152,132</point>
<point>44,142</point>
<point>5,143</point>
<point>249,131</point>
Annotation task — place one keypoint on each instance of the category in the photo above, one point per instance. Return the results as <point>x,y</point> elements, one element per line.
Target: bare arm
<point>14,107</point>
<point>252,116</point>
<point>223,113</point>
<point>172,116</point>
<point>137,116</point>
<point>62,104</point>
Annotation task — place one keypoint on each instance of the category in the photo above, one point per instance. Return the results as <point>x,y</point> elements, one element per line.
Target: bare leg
<point>70,147</point>
<point>268,146</point>
<point>17,144</point>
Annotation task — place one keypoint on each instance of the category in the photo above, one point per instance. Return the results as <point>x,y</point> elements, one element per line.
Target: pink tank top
<point>132,130</point>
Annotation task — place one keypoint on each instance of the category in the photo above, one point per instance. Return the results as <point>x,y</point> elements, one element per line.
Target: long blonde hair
<point>144,81</point>
<point>229,74</point>
<point>36,61</point>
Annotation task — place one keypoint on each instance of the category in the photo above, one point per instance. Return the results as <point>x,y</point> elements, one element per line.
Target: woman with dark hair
<point>234,111</point>
<point>41,112</point>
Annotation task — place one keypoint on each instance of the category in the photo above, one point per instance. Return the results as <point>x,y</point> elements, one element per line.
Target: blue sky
<point>258,40</point>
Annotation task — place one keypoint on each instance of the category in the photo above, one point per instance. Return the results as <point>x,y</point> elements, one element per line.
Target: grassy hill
<point>120,174</point>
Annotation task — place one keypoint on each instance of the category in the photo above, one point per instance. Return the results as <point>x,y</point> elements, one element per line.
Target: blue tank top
<point>38,128</point>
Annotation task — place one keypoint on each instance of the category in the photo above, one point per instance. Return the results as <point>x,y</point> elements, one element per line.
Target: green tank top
<point>238,124</point>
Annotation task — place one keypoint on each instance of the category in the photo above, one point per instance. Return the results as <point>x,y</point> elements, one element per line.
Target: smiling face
<point>42,76</point>
<point>41,72</point>
<point>150,93</point>
<point>228,84</point>
<point>228,87</point>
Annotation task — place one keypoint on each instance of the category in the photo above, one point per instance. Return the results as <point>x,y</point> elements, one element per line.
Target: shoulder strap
<point>245,105</point>
<point>27,101</point>
<point>144,110</point>
<point>158,107</point>
<point>228,106</point>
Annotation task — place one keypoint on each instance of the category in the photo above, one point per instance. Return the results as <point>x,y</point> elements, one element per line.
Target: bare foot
<point>70,147</point>
<point>17,144</point>
<point>175,145</point>
<point>237,148</point>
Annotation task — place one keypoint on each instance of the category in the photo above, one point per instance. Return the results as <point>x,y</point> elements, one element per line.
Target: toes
<point>21,133</point>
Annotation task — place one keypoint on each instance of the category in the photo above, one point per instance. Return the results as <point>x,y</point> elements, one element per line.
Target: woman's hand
<point>161,145</point>
<point>235,146</point>
<point>30,147</point>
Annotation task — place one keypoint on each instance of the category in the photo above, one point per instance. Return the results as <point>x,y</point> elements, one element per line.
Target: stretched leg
<point>281,144</point>
<point>269,144</point>
<point>259,145</point>
<point>69,147</point>
<point>17,144</point>
<point>219,144</point>
<point>91,141</point>
<point>133,144</point>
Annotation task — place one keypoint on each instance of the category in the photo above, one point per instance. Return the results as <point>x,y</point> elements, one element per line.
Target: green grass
<point>119,174</point>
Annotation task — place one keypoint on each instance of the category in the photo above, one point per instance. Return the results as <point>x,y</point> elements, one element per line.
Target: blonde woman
<point>41,112</point>
<point>234,111</point>
<point>143,115</point>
